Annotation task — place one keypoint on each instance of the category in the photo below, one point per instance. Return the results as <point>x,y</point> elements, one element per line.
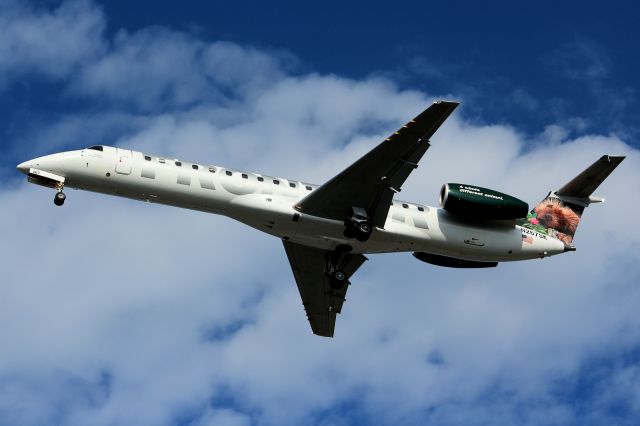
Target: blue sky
<point>116,312</point>
<point>527,65</point>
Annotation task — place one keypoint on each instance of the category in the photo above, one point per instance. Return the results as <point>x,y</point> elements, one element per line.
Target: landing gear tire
<point>364,228</point>
<point>362,238</point>
<point>59,198</point>
<point>349,232</point>
<point>363,231</point>
<point>337,280</point>
<point>360,233</point>
<point>357,224</point>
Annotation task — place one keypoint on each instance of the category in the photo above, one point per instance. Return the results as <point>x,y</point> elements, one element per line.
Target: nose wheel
<point>59,198</point>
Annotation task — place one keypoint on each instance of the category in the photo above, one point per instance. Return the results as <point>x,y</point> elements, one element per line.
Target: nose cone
<point>24,167</point>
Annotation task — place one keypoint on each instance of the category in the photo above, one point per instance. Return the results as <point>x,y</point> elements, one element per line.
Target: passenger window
<point>420,208</point>
<point>228,172</point>
<point>161,160</point>
<point>308,188</point>
<point>291,184</point>
<point>194,166</point>
<point>260,179</point>
<point>245,176</point>
<point>276,181</point>
<point>146,157</point>
<point>212,169</point>
<point>406,206</point>
<point>179,163</point>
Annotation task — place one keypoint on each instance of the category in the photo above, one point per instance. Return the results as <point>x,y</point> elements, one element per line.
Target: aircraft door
<point>123,161</point>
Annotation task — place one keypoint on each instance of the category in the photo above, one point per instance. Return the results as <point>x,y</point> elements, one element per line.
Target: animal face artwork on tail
<point>555,218</point>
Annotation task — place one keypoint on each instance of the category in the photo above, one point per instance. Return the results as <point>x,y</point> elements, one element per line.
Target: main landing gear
<point>337,277</point>
<point>59,198</point>
<point>357,224</point>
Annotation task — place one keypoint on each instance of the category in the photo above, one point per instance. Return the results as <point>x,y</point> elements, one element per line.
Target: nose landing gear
<point>59,198</point>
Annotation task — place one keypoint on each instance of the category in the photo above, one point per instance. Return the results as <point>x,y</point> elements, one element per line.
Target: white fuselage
<point>267,204</point>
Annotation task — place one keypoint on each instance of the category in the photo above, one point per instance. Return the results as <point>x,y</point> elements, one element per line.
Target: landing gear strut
<point>59,198</point>
<point>357,224</point>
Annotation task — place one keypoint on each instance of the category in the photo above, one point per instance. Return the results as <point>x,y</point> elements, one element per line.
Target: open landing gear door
<point>42,178</point>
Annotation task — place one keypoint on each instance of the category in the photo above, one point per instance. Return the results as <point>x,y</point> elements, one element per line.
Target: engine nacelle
<point>481,203</point>
<point>451,262</point>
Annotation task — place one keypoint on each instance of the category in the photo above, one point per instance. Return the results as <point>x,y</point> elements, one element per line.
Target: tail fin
<point>559,213</point>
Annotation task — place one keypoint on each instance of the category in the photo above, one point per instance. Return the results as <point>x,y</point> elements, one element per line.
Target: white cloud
<point>156,68</point>
<point>51,43</point>
<point>116,312</point>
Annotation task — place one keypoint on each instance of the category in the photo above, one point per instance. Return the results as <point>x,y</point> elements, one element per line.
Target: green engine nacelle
<point>481,203</point>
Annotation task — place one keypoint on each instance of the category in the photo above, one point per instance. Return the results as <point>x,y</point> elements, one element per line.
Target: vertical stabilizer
<point>560,212</point>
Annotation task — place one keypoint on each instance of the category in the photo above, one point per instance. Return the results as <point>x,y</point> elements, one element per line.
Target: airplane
<point>328,229</point>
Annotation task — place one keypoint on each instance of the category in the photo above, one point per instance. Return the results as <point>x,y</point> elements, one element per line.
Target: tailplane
<point>559,213</point>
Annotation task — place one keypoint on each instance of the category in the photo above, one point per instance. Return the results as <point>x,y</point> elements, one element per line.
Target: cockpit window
<point>96,147</point>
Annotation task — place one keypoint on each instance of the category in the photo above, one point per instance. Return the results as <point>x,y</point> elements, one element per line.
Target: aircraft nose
<point>24,167</point>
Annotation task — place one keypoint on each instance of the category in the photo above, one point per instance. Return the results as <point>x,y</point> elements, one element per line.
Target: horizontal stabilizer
<point>583,185</point>
<point>559,214</point>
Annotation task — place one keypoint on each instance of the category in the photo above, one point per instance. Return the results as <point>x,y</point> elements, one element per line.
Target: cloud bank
<point>116,312</point>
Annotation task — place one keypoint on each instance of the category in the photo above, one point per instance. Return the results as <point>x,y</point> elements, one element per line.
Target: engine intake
<point>481,203</point>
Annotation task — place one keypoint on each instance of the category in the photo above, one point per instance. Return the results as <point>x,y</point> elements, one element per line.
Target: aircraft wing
<point>320,301</point>
<point>371,181</point>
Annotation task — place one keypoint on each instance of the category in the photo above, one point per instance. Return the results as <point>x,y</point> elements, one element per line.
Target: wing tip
<point>323,334</point>
<point>613,158</point>
<point>447,102</point>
